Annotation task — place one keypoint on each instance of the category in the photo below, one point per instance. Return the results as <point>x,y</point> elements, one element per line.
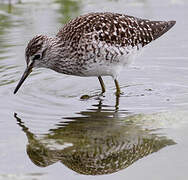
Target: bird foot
<point>85,97</point>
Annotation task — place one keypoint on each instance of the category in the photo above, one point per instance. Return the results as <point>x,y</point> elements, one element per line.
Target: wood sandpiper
<point>95,44</point>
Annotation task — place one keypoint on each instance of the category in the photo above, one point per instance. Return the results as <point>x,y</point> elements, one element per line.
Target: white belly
<point>103,67</point>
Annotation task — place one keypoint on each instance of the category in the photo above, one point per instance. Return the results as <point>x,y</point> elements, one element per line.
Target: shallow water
<point>47,132</point>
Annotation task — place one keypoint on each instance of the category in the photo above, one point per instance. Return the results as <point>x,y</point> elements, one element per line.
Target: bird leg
<point>117,87</point>
<point>102,84</point>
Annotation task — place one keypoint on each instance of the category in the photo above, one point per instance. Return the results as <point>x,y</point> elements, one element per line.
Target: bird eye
<point>37,56</point>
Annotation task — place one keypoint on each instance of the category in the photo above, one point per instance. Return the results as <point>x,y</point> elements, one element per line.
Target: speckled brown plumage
<point>113,29</point>
<point>95,44</point>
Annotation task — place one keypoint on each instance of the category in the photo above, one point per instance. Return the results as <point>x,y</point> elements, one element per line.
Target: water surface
<point>48,132</point>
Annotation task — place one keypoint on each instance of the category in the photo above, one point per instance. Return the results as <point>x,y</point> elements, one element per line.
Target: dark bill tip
<point>24,76</point>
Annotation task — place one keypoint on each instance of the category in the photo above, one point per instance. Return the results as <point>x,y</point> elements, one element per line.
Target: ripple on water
<point>19,176</point>
<point>97,133</point>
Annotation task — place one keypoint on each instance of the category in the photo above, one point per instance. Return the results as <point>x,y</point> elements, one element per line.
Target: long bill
<point>24,76</point>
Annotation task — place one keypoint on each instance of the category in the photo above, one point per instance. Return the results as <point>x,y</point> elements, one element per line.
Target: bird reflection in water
<point>98,141</point>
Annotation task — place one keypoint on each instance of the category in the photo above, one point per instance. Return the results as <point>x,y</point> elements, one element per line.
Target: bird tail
<point>161,27</point>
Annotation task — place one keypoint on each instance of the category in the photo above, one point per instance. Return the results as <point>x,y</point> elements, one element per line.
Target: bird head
<point>35,55</point>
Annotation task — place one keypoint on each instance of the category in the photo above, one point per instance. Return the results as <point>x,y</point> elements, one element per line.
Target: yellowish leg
<point>117,87</point>
<point>102,84</point>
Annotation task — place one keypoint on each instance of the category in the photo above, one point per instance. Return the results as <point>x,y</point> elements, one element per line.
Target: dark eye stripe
<point>37,56</point>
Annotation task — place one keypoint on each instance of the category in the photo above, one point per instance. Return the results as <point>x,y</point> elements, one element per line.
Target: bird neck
<point>59,57</point>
